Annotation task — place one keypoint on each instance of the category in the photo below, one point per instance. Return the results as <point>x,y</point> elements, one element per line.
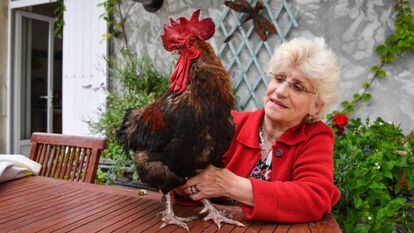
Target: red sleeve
<point>308,196</point>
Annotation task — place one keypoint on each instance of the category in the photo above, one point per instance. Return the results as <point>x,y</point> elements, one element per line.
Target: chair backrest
<point>67,157</point>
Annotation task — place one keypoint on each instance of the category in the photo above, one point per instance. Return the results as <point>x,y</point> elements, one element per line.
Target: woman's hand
<point>210,182</point>
<point>217,182</point>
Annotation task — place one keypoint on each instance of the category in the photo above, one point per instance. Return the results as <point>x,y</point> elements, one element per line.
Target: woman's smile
<point>278,104</point>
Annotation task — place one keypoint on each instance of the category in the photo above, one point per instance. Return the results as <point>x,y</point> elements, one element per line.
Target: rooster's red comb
<point>182,32</point>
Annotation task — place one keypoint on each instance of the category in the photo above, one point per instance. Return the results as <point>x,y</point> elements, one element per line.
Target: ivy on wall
<point>59,22</point>
<point>395,46</point>
<point>115,17</point>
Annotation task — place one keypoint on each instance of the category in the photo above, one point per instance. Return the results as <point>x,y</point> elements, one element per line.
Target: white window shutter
<point>84,66</point>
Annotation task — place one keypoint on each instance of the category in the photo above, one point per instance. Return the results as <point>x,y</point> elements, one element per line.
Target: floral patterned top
<point>263,168</point>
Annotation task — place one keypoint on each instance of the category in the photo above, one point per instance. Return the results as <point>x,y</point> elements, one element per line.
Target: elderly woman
<point>279,166</point>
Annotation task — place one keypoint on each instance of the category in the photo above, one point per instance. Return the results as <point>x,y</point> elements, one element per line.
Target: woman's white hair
<point>316,61</point>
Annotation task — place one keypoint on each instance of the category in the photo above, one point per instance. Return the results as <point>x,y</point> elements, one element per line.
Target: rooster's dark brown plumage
<point>190,127</point>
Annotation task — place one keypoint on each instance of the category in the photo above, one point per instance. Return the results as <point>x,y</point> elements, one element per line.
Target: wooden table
<point>41,204</point>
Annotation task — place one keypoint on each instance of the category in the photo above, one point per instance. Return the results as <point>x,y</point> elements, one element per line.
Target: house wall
<point>3,73</point>
<point>352,29</point>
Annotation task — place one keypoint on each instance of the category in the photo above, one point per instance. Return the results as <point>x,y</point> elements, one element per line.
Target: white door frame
<point>12,7</point>
<point>15,122</point>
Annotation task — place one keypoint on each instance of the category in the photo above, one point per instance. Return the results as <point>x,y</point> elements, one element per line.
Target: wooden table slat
<point>299,228</point>
<point>28,214</point>
<point>22,193</point>
<point>328,224</point>
<point>255,227</point>
<point>91,216</point>
<point>268,227</point>
<point>141,222</point>
<point>33,216</point>
<point>43,196</point>
<point>9,188</point>
<point>136,218</point>
<point>78,218</point>
<point>40,198</point>
<point>42,204</point>
<point>16,183</point>
<point>34,203</point>
<point>64,216</point>
<point>127,212</point>
<point>282,228</point>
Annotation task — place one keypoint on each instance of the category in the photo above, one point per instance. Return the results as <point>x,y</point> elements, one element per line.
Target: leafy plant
<point>115,18</point>
<point>138,83</point>
<point>374,170</point>
<point>59,22</point>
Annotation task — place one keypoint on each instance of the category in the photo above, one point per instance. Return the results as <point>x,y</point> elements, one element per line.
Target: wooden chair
<point>67,157</point>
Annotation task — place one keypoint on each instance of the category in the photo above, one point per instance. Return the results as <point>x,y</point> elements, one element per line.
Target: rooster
<point>190,126</point>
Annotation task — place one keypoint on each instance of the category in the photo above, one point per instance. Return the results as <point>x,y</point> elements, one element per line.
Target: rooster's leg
<point>168,216</point>
<point>218,216</point>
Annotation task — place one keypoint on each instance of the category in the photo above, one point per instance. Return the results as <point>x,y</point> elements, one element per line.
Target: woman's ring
<point>194,189</point>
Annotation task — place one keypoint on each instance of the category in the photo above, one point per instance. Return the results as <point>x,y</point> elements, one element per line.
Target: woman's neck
<point>274,130</point>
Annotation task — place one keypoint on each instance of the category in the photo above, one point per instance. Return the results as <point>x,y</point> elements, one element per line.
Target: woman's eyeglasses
<point>296,87</point>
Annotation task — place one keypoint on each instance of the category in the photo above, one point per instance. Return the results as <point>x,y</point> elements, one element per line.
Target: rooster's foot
<point>169,218</point>
<point>218,216</point>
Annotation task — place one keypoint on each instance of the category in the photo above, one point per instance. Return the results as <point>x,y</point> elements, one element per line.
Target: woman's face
<point>290,96</point>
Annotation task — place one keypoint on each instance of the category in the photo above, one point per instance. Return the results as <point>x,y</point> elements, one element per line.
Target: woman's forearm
<point>240,189</point>
<point>218,182</point>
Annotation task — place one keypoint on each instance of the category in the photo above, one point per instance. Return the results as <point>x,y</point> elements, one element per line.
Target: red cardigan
<point>302,188</point>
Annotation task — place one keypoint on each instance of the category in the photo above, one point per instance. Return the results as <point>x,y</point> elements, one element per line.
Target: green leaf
<point>361,229</point>
<point>376,185</point>
<point>107,35</point>
<point>365,85</point>
<point>404,43</point>
<point>390,209</point>
<point>375,69</point>
<point>382,74</point>
<point>357,201</point>
<point>381,49</point>
<point>388,174</point>
<point>366,97</point>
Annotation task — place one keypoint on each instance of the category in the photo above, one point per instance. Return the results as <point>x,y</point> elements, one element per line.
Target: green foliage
<point>115,17</point>
<point>59,22</point>
<point>395,46</point>
<point>374,170</point>
<point>138,83</point>
<point>110,9</point>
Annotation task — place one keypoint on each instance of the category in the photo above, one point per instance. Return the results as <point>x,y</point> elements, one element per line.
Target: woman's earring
<point>309,119</point>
